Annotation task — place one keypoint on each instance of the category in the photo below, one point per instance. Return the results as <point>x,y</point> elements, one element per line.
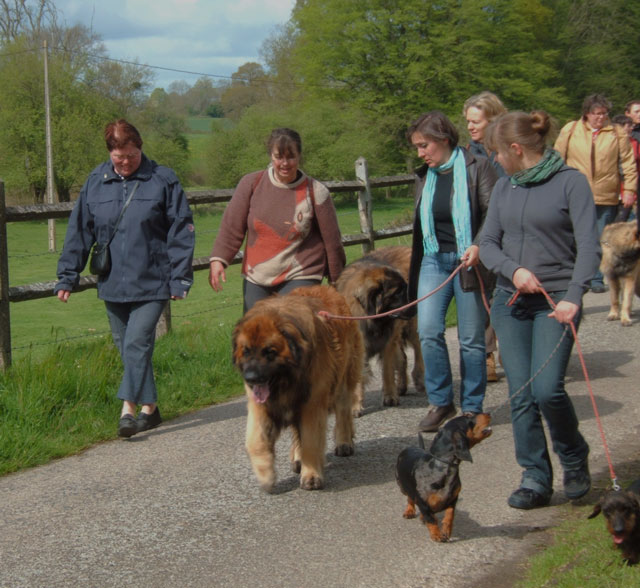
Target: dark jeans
<point>133,327</point>
<point>252,292</point>
<point>528,338</point>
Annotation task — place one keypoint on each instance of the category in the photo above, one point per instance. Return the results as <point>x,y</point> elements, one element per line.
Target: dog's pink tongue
<point>260,393</point>
<point>617,539</point>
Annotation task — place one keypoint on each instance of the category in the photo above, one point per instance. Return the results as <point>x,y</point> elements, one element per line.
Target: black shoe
<point>527,499</point>
<point>598,288</point>
<point>577,482</point>
<point>435,417</point>
<point>149,421</point>
<point>127,426</point>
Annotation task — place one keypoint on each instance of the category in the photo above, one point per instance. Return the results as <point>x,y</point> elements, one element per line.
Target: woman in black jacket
<point>452,197</point>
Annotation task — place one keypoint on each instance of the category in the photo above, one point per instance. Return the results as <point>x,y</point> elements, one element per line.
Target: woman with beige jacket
<point>603,153</point>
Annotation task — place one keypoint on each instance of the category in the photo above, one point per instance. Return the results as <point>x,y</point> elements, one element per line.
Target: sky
<point>204,36</point>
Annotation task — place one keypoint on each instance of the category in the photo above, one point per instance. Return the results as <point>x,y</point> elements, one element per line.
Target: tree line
<point>349,76</point>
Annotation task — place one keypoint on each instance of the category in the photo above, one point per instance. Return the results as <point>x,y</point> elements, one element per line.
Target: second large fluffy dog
<point>297,368</point>
<point>621,265</point>
<point>375,284</point>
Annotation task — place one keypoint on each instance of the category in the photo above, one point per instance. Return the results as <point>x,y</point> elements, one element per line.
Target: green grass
<point>581,555</point>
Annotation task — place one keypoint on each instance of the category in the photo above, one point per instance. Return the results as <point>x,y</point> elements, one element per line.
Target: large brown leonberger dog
<point>621,265</point>
<point>372,285</point>
<point>297,368</point>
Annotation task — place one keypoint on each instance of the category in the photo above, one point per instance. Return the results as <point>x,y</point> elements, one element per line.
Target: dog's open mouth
<point>618,539</point>
<point>260,392</point>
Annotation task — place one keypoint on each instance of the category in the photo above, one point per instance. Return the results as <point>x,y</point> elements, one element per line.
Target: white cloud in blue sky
<point>204,36</point>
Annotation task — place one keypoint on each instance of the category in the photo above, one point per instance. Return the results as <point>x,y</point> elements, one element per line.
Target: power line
<point>195,73</point>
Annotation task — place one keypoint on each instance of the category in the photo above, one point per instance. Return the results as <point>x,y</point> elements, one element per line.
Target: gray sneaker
<point>435,417</point>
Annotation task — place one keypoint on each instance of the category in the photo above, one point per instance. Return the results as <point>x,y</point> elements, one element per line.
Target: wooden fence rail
<point>367,237</point>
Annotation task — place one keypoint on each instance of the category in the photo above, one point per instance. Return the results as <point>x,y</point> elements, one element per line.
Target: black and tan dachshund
<point>430,479</point>
<point>621,511</point>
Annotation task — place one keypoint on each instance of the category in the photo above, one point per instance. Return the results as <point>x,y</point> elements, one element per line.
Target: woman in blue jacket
<point>539,235</point>
<point>151,259</point>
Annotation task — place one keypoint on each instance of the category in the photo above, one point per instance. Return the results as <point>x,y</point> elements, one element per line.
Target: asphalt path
<point>179,505</point>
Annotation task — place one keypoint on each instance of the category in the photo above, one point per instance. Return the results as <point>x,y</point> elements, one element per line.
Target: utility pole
<point>47,116</point>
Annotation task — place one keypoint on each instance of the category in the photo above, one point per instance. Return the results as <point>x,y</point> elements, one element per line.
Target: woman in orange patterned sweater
<point>293,237</point>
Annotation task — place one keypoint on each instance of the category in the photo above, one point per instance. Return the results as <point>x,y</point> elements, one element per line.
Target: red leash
<point>328,315</point>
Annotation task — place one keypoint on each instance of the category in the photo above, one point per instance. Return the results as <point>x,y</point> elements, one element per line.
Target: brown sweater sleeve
<point>233,227</point>
<point>329,230</point>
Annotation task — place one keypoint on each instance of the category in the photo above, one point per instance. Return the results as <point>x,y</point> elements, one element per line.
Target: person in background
<point>293,237</point>
<point>624,121</point>
<point>479,111</point>
<point>632,110</point>
<point>600,150</point>
<point>539,236</point>
<point>626,213</point>
<point>151,259</point>
<point>452,196</point>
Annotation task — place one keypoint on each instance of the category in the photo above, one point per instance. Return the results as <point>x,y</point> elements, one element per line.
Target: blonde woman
<point>479,111</point>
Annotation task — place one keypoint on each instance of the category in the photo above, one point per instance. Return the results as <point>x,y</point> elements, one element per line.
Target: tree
<point>249,86</point>
<point>400,59</point>
<point>24,17</point>
<point>599,42</point>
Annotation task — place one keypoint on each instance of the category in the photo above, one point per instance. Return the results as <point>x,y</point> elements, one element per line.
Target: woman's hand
<point>63,295</point>
<point>564,312</point>
<point>628,198</point>
<point>471,256</point>
<point>216,273</point>
<point>526,281</point>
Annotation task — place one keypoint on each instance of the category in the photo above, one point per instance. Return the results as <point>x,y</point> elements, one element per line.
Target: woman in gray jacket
<point>151,255</point>
<point>540,234</point>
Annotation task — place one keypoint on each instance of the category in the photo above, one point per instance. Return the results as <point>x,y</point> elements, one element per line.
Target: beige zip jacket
<point>601,160</point>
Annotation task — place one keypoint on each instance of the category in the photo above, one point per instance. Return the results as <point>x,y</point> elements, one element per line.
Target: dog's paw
<point>390,401</point>
<point>409,512</point>
<point>357,412</point>
<point>613,316</point>
<point>626,322</point>
<point>311,483</point>
<point>344,450</point>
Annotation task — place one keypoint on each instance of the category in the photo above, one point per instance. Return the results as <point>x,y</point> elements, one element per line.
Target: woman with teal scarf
<point>453,188</point>
<point>540,234</point>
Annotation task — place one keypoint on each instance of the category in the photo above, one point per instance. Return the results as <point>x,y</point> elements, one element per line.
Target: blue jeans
<point>605,215</point>
<point>528,338</point>
<point>431,328</point>
<point>133,328</point>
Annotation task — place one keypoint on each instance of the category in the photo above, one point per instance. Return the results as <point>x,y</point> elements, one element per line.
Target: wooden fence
<point>367,237</point>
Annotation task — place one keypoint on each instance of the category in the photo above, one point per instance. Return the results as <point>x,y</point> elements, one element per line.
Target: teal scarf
<point>460,207</point>
<point>550,163</point>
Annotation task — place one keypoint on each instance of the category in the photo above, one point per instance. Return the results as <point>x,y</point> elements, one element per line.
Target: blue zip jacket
<point>152,250</point>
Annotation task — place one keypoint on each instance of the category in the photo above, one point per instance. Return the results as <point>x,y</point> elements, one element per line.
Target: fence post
<point>164,322</point>
<point>5,320</point>
<point>365,205</point>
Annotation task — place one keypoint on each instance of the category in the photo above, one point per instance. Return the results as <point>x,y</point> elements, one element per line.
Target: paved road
<point>179,506</point>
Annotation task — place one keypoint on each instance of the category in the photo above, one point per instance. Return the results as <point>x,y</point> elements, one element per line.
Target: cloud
<point>207,36</point>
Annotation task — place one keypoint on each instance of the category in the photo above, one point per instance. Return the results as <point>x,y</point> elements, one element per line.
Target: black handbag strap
<point>126,204</point>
